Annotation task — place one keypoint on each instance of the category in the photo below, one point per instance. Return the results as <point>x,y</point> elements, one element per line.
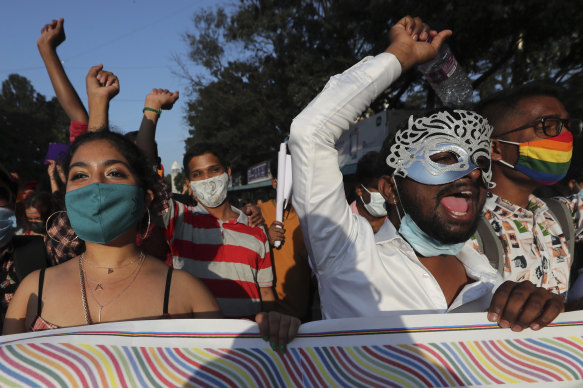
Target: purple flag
<point>56,152</point>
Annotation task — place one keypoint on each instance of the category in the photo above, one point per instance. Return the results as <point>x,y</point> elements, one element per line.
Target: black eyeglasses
<point>551,126</point>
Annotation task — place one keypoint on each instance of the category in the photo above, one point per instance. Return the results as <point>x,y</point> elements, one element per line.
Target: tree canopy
<point>28,123</point>
<point>266,59</point>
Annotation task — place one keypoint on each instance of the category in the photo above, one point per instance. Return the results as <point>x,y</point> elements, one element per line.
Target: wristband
<point>157,111</point>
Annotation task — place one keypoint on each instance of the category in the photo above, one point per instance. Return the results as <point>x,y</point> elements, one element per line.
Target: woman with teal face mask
<point>109,189</point>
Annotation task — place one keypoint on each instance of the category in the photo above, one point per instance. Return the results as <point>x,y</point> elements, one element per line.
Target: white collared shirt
<point>360,273</point>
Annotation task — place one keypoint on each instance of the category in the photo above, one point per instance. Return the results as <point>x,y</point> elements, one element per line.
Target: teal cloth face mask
<point>101,212</point>
<point>423,243</point>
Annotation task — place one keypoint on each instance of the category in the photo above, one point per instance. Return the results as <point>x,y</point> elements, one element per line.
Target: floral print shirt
<point>534,244</point>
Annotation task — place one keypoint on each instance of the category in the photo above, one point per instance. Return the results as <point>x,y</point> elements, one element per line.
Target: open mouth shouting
<point>459,203</point>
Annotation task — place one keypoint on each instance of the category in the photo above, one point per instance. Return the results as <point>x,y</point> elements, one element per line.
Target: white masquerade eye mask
<point>442,148</point>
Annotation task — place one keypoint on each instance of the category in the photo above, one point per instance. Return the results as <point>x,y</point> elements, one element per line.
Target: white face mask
<point>211,192</point>
<point>376,206</point>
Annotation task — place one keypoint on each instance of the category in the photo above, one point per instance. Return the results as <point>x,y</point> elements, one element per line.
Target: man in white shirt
<point>361,273</point>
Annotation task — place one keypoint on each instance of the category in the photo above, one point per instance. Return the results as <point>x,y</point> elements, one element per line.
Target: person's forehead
<point>97,151</point>
<point>203,161</point>
<point>527,111</point>
<point>533,107</point>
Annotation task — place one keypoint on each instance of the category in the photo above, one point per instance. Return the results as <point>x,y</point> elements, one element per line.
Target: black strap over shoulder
<point>41,280</point>
<point>167,291</point>
<point>490,244</point>
<point>563,216</point>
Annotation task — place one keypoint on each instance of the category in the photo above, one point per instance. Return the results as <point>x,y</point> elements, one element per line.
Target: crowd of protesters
<point>445,217</point>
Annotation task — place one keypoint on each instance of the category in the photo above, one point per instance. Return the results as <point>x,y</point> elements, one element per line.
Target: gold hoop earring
<point>47,228</point>
<point>146,234</point>
<point>148,227</point>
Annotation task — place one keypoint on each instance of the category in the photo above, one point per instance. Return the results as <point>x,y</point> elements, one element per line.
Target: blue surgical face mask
<point>376,206</point>
<point>7,225</point>
<point>101,212</point>
<point>424,244</point>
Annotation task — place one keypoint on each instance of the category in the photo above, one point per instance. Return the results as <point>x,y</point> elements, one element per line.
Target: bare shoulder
<point>187,290</point>
<point>15,319</point>
<point>62,271</point>
<point>29,284</point>
<point>186,280</point>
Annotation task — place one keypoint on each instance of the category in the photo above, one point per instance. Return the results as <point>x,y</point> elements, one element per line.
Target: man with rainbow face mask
<point>532,145</point>
<point>435,170</point>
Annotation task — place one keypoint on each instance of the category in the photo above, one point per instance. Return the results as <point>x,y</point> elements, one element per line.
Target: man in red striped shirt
<point>214,242</point>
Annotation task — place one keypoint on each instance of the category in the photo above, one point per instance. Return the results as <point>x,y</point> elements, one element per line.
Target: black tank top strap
<point>41,280</point>
<point>167,293</point>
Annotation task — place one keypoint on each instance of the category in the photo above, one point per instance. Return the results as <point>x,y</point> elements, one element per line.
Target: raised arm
<point>51,169</point>
<point>156,101</point>
<point>318,190</point>
<point>102,86</point>
<point>52,35</point>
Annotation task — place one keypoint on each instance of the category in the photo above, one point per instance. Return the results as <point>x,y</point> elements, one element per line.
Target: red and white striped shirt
<point>230,257</point>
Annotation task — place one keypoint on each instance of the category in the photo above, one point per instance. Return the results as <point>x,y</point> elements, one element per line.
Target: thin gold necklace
<point>111,269</point>
<point>100,283</point>
<point>99,305</point>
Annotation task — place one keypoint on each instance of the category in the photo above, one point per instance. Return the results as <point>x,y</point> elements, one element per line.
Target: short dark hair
<point>501,105</point>
<point>366,169</point>
<point>201,149</point>
<point>135,157</point>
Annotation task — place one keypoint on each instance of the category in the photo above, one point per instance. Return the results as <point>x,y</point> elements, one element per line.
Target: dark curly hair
<point>137,161</point>
<point>135,157</point>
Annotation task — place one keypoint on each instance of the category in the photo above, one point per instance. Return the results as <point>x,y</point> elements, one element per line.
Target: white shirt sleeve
<point>318,190</point>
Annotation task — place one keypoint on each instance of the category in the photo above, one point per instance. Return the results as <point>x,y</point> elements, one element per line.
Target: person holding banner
<point>109,191</point>
<point>436,169</point>
<point>223,246</point>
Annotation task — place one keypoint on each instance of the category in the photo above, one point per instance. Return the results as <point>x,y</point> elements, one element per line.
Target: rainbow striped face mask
<point>545,161</point>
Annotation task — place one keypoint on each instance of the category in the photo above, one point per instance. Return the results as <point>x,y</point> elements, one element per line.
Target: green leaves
<point>28,123</point>
<point>267,59</point>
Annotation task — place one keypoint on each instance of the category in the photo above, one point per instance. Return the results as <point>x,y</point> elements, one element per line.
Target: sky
<point>135,39</point>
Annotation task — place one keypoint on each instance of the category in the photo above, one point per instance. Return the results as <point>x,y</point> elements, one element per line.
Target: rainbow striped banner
<point>454,350</point>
